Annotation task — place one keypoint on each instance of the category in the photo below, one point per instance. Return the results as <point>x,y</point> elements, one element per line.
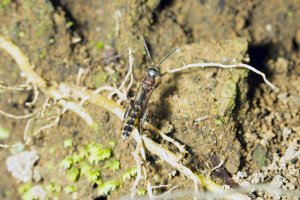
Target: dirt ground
<point>254,129</point>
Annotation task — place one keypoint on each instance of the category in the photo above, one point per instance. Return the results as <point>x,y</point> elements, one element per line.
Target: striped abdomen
<point>131,122</point>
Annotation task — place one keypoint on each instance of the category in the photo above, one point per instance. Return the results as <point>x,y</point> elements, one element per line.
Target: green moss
<point>92,175</point>
<point>4,3</point>
<point>87,163</point>
<point>113,165</point>
<point>24,188</point>
<point>4,133</point>
<point>99,155</point>
<point>142,192</point>
<point>53,187</point>
<point>129,173</point>
<point>69,24</point>
<point>31,193</point>
<point>218,121</point>
<point>67,162</point>
<point>99,45</point>
<point>112,143</point>
<point>73,174</point>
<point>109,186</point>
<point>77,157</point>
<point>68,143</point>
<point>70,189</point>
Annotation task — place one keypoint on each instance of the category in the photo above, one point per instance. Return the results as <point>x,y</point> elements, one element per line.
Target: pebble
<point>21,165</point>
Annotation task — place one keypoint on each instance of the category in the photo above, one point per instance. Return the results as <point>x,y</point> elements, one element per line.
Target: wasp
<point>137,109</point>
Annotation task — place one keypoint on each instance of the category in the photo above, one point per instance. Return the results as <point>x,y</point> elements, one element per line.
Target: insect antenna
<point>169,54</point>
<point>148,53</point>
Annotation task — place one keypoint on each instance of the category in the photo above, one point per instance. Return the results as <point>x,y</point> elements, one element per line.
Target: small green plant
<point>99,154</point>
<point>109,186</point>
<point>23,188</point>
<point>70,189</point>
<point>113,165</point>
<point>68,143</point>
<point>142,192</point>
<point>69,24</point>
<point>4,133</point>
<point>53,187</point>
<point>73,174</point>
<point>218,122</point>
<point>33,192</point>
<point>129,173</point>
<point>4,3</point>
<point>67,162</point>
<point>77,157</point>
<point>92,175</point>
<point>112,143</point>
<point>85,168</point>
<point>99,45</point>
<point>88,163</point>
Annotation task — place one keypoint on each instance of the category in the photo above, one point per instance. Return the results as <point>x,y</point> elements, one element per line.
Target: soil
<point>255,130</point>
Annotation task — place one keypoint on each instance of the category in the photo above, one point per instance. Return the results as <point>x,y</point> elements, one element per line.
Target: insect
<point>137,109</point>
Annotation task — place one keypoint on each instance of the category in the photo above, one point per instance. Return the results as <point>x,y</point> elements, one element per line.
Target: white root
<point>24,87</point>
<point>239,65</point>
<point>166,193</point>
<point>139,163</point>
<point>35,96</point>
<point>19,116</point>
<point>215,168</point>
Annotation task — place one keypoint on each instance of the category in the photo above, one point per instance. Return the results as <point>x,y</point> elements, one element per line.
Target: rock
<point>188,95</point>
<point>21,165</point>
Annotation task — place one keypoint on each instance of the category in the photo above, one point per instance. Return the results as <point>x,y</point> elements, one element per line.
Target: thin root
<point>35,96</point>
<point>239,65</point>
<point>19,116</point>
<point>214,168</point>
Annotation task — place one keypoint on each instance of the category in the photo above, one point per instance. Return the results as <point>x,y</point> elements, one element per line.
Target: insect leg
<point>129,107</point>
<point>143,119</point>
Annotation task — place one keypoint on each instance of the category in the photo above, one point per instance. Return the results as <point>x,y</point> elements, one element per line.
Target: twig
<point>239,65</point>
